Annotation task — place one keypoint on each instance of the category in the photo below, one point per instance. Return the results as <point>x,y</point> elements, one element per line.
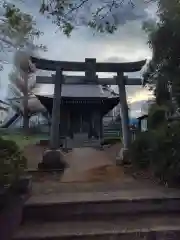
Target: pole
<point>90,72</point>
<point>55,125</point>
<point>25,104</point>
<point>124,116</point>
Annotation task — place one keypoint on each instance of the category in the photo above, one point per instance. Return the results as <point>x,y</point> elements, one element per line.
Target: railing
<point>111,133</point>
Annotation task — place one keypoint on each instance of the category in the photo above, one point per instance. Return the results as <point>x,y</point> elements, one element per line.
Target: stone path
<point>89,170</point>
<point>84,162</point>
<point>34,153</point>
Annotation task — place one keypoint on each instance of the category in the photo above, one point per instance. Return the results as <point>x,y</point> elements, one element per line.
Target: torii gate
<point>90,67</point>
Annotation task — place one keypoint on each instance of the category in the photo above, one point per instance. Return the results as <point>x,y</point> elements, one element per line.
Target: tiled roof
<point>47,90</point>
<point>83,90</point>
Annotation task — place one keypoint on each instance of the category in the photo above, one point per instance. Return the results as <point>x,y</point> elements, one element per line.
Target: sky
<point>129,43</point>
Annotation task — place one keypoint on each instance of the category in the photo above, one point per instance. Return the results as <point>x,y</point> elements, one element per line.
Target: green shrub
<point>167,154</point>
<point>12,162</point>
<point>156,116</point>
<point>160,151</point>
<point>142,149</point>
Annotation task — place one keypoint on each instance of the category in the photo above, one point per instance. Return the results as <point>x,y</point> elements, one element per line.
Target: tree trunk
<point>25,105</point>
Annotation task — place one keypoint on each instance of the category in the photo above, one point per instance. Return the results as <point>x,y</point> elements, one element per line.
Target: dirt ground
<point>88,164</point>
<point>85,164</point>
<point>89,170</point>
<point>113,151</point>
<point>34,153</point>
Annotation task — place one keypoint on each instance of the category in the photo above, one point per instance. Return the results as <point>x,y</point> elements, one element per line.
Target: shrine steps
<point>136,228</point>
<point>102,216</point>
<point>54,211</point>
<point>81,140</point>
<point>79,144</point>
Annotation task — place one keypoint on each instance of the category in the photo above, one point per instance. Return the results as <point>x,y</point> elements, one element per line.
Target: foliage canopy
<point>164,37</point>
<point>101,15</point>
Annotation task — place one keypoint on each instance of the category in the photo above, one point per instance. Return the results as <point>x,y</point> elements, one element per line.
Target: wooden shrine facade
<point>82,109</point>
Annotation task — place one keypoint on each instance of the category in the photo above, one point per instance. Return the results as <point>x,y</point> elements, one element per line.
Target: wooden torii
<point>90,67</point>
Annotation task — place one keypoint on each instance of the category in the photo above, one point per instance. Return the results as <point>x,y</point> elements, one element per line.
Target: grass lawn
<point>23,140</point>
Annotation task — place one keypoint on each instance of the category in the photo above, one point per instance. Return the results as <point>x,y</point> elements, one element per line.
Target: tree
<point>163,70</point>
<point>21,87</point>
<point>17,29</point>
<point>17,32</point>
<point>101,15</point>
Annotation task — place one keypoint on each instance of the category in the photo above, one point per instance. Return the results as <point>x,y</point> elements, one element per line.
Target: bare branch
<point>71,13</point>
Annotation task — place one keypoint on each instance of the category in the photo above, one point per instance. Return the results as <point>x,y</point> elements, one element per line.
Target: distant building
<point>111,115</point>
<point>142,123</point>
<point>4,107</point>
<point>34,104</point>
<point>142,119</point>
<point>146,105</point>
<point>14,114</point>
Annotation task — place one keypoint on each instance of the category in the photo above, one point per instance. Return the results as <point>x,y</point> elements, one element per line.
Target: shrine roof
<point>76,91</point>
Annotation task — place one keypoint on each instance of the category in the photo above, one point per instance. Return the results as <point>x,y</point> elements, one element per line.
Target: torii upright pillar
<point>55,126</point>
<point>123,155</point>
<point>53,158</point>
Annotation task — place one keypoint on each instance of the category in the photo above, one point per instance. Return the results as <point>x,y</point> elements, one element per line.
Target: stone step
<point>155,227</point>
<point>83,143</point>
<point>78,206</point>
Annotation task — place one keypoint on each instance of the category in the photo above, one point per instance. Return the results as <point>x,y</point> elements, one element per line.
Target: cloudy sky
<point>129,43</point>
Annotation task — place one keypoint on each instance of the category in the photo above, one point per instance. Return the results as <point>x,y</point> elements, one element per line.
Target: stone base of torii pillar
<point>123,157</point>
<point>53,160</point>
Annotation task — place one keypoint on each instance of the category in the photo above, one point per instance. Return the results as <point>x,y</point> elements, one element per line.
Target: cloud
<point>115,59</point>
<point>122,12</point>
<point>136,108</point>
<point>129,43</point>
